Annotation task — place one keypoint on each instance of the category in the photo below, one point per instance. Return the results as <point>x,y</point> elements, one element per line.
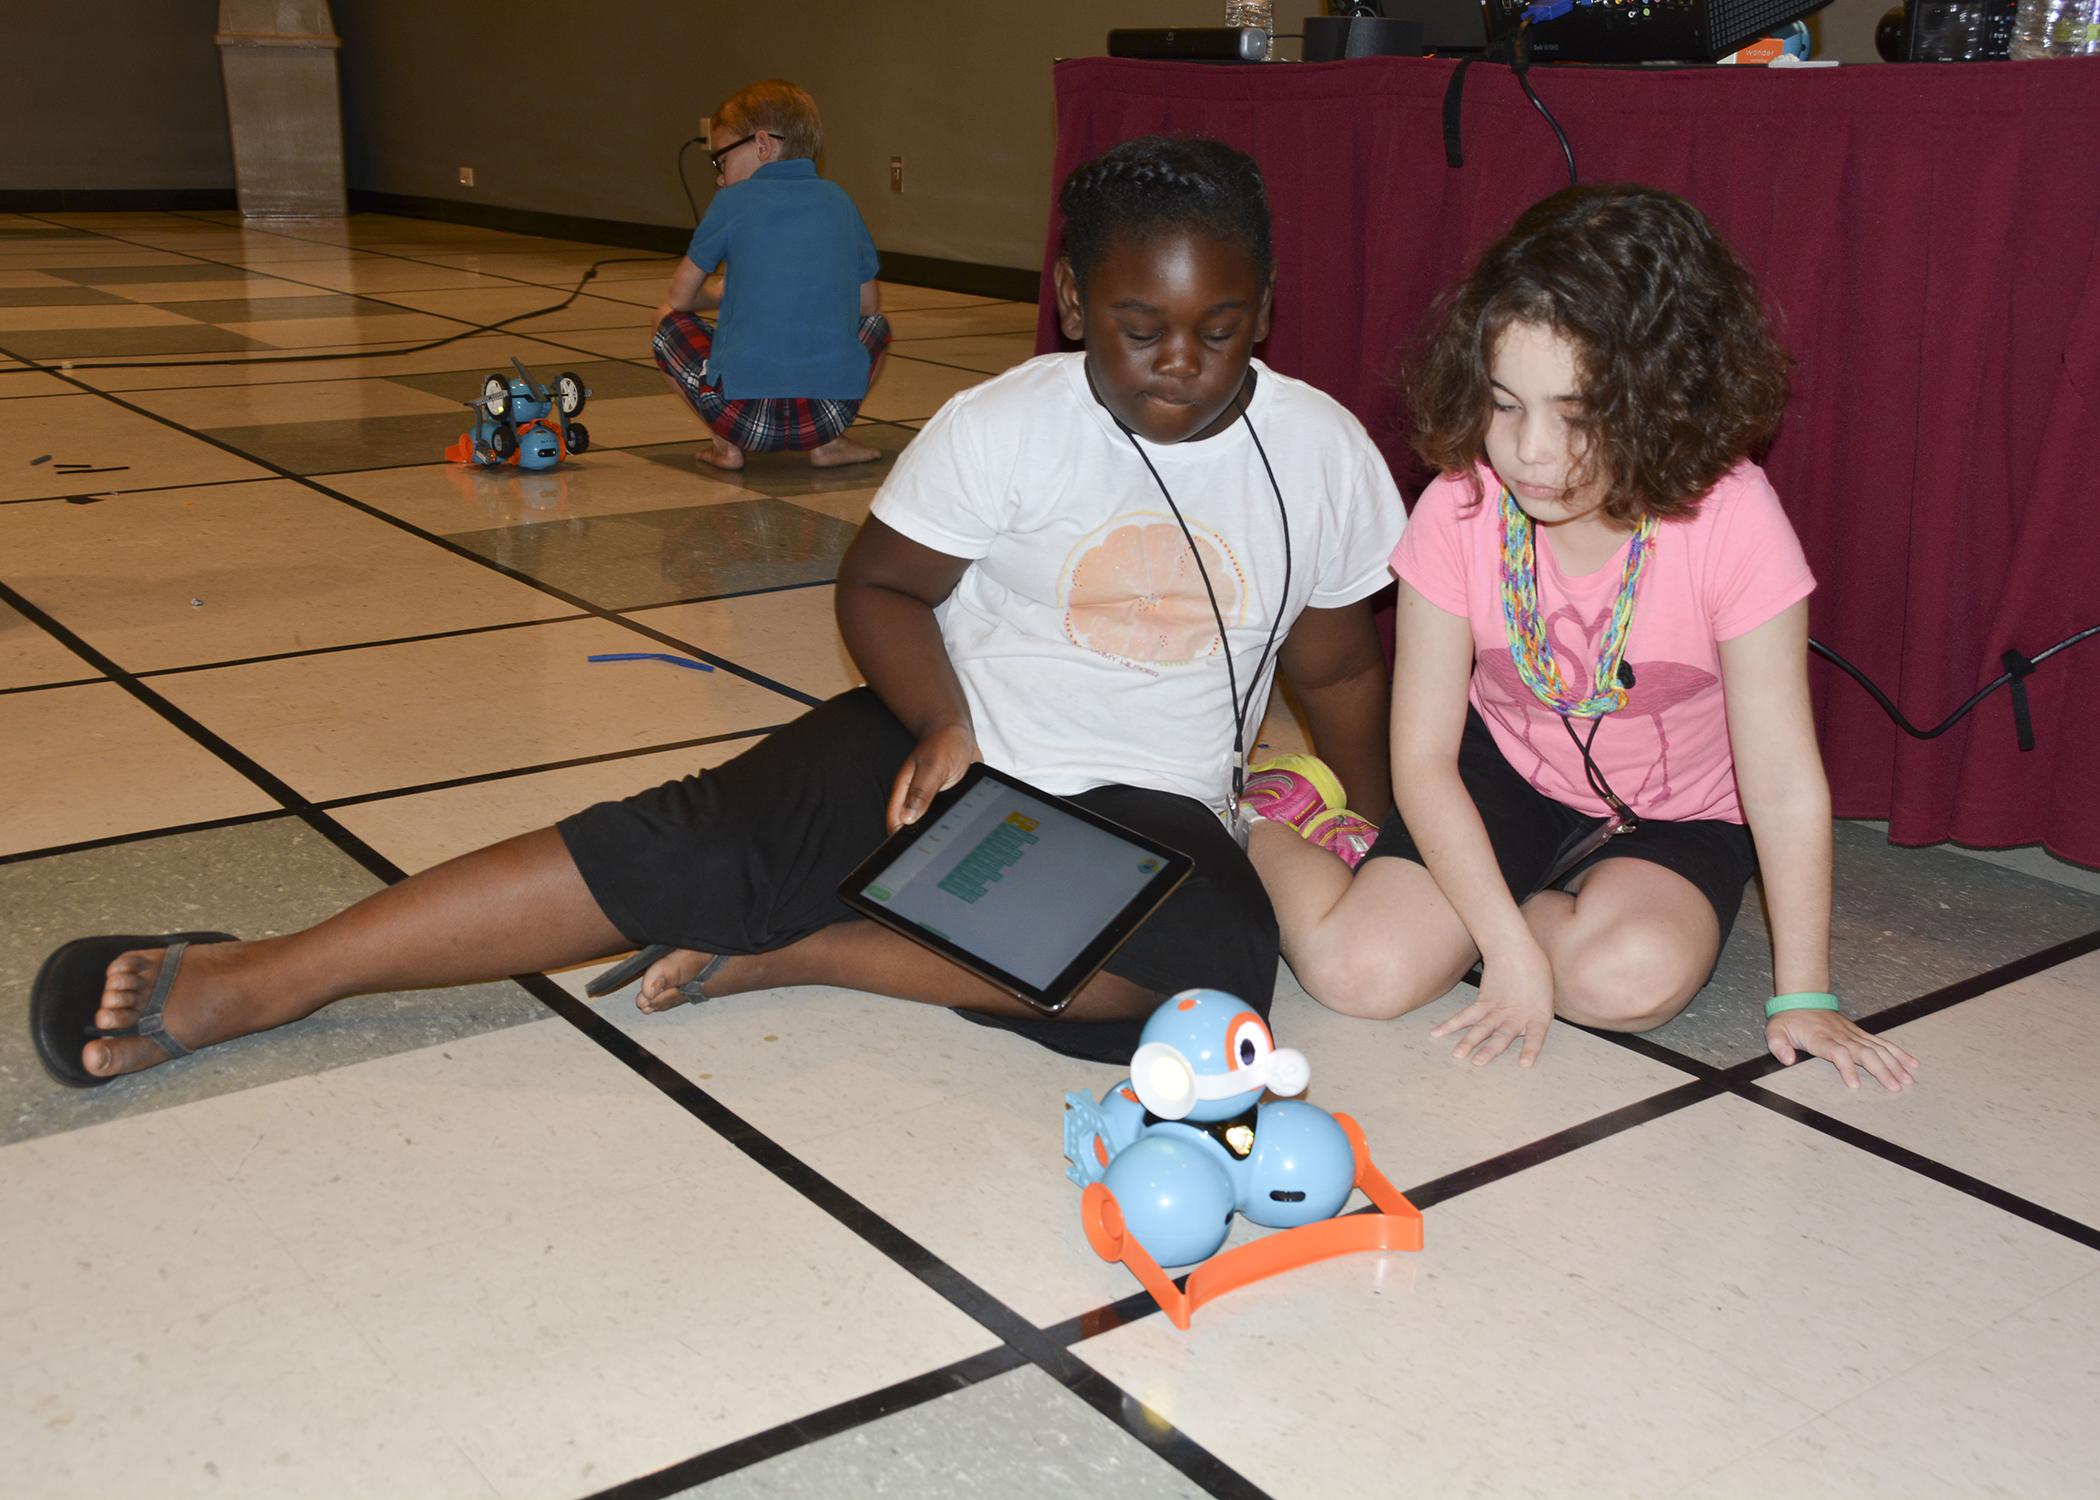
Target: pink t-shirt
<point>1713,576</point>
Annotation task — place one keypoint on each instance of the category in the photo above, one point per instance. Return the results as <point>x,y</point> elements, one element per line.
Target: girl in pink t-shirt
<point>1601,672</point>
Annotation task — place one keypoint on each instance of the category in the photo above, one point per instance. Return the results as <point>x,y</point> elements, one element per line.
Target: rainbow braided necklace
<point>1528,646</point>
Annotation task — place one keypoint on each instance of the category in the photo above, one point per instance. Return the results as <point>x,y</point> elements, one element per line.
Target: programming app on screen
<point>1006,877</point>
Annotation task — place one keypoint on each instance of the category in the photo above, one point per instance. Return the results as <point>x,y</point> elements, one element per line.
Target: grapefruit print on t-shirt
<point>1134,592</point>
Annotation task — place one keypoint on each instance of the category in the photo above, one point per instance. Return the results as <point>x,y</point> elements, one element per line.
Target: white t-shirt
<point>1082,633</point>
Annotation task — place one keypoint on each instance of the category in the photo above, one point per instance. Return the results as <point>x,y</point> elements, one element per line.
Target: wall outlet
<point>466,176</point>
<point>896,174</point>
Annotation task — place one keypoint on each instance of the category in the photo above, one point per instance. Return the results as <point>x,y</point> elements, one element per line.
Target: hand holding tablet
<point>1024,889</point>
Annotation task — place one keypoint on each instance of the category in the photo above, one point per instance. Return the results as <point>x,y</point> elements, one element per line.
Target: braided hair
<point>1159,183</point>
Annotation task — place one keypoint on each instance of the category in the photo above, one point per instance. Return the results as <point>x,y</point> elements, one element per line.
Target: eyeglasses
<point>715,157</point>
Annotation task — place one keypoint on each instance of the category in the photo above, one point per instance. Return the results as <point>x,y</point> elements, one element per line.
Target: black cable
<point>1520,64</point>
<point>1952,719</point>
<point>686,182</point>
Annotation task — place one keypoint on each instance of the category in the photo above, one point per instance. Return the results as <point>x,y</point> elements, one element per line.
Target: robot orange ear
<point>1165,1083</point>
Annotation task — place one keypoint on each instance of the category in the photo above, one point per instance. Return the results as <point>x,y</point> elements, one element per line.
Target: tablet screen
<point>1022,887</point>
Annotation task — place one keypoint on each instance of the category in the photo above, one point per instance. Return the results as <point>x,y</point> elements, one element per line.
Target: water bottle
<point>1258,14</point>
<point>2056,28</point>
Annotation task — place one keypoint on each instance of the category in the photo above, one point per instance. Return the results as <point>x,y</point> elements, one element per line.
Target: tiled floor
<point>261,651</point>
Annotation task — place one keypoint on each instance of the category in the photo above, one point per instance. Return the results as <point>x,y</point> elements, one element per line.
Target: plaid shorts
<point>767,424</point>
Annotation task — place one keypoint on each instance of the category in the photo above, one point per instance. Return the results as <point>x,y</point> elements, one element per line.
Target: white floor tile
<point>2005,1090</point>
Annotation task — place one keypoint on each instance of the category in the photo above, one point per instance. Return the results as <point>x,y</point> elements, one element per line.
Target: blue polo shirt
<point>797,253</point>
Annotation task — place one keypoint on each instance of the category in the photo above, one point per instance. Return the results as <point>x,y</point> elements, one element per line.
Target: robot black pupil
<point>1246,1049</point>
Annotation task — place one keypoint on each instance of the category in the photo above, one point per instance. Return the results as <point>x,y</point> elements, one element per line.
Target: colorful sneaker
<point>1291,790</point>
<point>1343,834</point>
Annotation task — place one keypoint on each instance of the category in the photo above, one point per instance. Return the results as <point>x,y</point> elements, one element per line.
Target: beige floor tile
<point>989,352</point>
<point>898,296</point>
<point>1809,1264</point>
<point>449,498</point>
<point>236,284</point>
<point>315,333</point>
<point>37,258</point>
<point>207,407</point>
<point>952,322</point>
<point>905,388</point>
<point>1467,1369</point>
<point>90,762</point>
<point>2005,1089</point>
<point>492,304</point>
<point>636,421</point>
<point>425,829</point>
<point>87,429</point>
<point>613,343</point>
<point>526,1260</point>
<point>985,1107</point>
<point>34,383</point>
<point>34,279</point>
<point>99,315</point>
<point>377,277</point>
<point>181,577</point>
<point>472,357</point>
<point>2006,1413</point>
<point>28,656</point>
<point>789,635</point>
<point>847,505</point>
<point>638,291</point>
<point>426,711</point>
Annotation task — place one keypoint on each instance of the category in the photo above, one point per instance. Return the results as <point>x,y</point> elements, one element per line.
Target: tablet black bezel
<point>1053,997</point>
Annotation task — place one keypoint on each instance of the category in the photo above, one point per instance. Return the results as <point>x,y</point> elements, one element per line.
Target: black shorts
<point>1528,830</point>
<point>747,857</point>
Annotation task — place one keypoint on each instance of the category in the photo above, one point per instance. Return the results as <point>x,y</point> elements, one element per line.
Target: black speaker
<point>1332,38</point>
<point>1190,43</point>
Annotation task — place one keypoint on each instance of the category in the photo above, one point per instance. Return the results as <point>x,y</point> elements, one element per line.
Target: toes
<point>109,1057</point>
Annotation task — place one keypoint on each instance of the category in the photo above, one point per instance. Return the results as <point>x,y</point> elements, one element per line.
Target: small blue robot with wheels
<point>1186,1141</point>
<point>524,423</point>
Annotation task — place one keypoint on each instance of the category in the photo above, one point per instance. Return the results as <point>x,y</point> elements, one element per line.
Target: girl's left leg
<point>1630,944</point>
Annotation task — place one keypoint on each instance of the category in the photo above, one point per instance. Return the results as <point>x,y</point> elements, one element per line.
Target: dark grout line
<point>843,1417</point>
<point>482,778</point>
<point>118,840</point>
<point>907,1254</point>
<point>1925,1166</point>
<point>581,605</point>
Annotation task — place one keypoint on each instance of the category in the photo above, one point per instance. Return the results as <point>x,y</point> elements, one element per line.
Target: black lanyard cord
<point>1241,707</point>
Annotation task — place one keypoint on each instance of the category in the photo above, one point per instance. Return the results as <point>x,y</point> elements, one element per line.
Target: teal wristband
<point>1805,1000</point>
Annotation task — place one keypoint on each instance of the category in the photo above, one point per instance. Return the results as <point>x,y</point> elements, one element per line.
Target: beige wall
<point>578,109</point>
<point>566,107</point>
<point>111,94</point>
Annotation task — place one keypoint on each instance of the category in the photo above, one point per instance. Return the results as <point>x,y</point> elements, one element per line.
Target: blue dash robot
<point>524,423</point>
<point>1165,1158</point>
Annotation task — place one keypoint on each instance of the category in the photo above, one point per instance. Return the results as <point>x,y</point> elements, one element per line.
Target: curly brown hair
<point>1680,378</point>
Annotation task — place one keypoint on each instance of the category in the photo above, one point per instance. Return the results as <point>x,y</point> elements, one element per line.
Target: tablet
<point>1022,888</point>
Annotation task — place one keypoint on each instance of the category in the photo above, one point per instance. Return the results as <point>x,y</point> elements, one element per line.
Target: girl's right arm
<point>888,586</point>
<point>1433,664</point>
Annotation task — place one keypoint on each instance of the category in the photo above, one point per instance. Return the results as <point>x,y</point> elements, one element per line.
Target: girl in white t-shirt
<point>1601,672</point>
<point>1082,572</point>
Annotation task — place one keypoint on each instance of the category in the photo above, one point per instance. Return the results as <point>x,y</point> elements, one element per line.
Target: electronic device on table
<point>1640,31</point>
<point>1949,31</point>
<point>1026,890</point>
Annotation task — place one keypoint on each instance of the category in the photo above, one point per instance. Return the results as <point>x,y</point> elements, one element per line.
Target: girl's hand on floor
<point>1825,1033</point>
<point>936,763</point>
<point>1516,1000</point>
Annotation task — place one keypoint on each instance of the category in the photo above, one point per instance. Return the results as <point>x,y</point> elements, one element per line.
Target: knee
<point>1632,979</point>
<point>1374,982</point>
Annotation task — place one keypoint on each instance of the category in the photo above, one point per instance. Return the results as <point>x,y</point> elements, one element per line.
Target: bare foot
<point>663,982</point>
<point>130,980</point>
<point>841,451</point>
<point>723,455</point>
